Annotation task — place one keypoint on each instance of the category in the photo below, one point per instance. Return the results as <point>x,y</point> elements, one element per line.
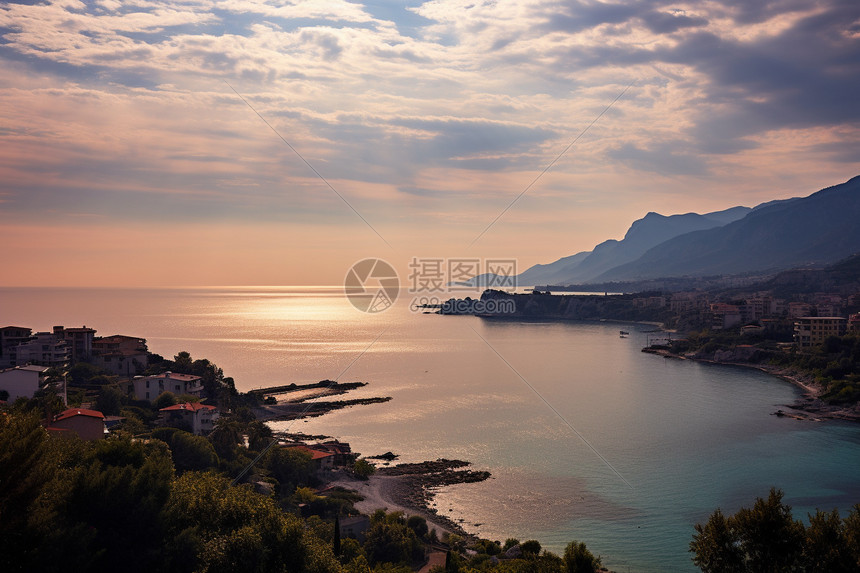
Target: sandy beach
<point>392,493</point>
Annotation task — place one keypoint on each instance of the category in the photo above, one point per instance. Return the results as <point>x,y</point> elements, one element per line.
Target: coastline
<point>407,487</point>
<point>410,488</point>
<point>808,407</point>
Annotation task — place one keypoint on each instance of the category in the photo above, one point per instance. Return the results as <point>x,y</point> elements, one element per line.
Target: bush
<point>578,559</point>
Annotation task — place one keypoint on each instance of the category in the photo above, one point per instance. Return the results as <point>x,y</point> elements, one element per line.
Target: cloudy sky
<point>150,142</point>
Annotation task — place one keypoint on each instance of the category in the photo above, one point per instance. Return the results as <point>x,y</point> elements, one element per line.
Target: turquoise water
<point>686,437</point>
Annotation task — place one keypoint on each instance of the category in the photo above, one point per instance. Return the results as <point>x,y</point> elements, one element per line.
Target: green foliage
<point>530,548</point>
<point>825,548</point>
<point>578,559</point>
<point>82,373</point>
<point>715,546</point>
<point>192,453</point>
<point>418,525</point>
<point>110,401</point>
<point>102,504</point>
<point>241,530</point>
<point>25,467</point>
<point>390,540</point>
<point>259,435</point>
<point>290,466</point>
<point>767,538</point>
<point>363,468</point>
<point>164,400</point>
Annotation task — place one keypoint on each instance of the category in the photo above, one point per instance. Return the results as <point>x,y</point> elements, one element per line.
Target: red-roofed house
<point>320,460</point>
<point>87,424</point>
<point>150,387</point>
<point>199,417</point>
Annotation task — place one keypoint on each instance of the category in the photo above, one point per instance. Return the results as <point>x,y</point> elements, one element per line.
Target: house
<point>21,381</point>
<point>320,459</point>
<point>814,330</point>
<point>200,418</point>
<point>341,451</point>
<point>87,424</point>
<point>120,355</point>
<point>354,527</point>
<point>854,322</point>
<point>151,387</point>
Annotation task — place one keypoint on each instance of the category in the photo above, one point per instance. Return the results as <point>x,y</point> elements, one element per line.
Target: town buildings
<point>814,330</point>
<point>120,355</point>
<point>151,387</point>
<point>196,417</point>
<point>22,381</point>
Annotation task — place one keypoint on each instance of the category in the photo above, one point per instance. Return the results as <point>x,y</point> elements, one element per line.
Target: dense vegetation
<point>766,538</point>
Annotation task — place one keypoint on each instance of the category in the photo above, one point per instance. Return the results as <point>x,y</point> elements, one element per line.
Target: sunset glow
<point>126,158</point>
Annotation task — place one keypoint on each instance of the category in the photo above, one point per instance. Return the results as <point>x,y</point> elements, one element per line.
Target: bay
<point>587,438</point>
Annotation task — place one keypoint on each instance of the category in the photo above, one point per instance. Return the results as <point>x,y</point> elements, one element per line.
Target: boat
<point>623,332</point>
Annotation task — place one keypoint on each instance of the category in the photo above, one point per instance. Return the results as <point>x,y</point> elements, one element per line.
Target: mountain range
<point>810,231</point>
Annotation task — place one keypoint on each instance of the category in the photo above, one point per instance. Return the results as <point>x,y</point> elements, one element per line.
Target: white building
<point>199,417</point>
<point>21,381</point>
<point>150,387</point>
<point>43,348</point>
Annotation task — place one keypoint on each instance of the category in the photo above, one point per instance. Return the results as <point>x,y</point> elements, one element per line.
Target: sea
<point>586,437</point>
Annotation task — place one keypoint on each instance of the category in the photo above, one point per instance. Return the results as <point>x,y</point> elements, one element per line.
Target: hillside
<point>812,231</point>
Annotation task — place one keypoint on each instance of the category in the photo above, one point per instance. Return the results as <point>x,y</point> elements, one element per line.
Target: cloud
<point>663,159</point>
<point>120,108</point>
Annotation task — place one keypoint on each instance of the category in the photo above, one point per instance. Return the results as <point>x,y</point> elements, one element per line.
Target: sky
<point>249,142</point>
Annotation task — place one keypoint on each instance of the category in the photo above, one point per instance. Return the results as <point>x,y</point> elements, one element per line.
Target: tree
<point>110,401</point>
<point>825,546</point>
<point>363,468</point>
<point>290,466</point>
<point>336,542</point>
<point>715,546</point>
<point>578,559</point>
<point>389,540</point>
<point>182,363</point>
<point>770,539</point>
<point>418,525</point>
<point>103,504</point>
<point>530,548</point>
<point>164,400</point>
<point>24,469</point>
<point>239,529</point>
<point>192,453</point>
<point>766,538</point>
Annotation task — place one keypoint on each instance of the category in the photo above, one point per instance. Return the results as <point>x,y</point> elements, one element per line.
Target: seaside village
<point>31,363</point>
<point>808,322</point>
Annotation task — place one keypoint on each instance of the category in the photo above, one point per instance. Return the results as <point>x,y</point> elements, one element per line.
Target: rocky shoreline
<point>421,480</point>
<point>411,487</point>
<point>808,407</point>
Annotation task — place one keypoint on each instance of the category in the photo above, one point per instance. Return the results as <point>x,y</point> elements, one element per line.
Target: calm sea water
<point>667,441</point>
